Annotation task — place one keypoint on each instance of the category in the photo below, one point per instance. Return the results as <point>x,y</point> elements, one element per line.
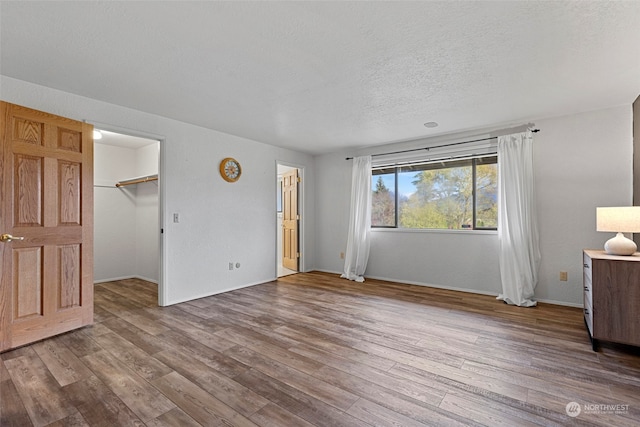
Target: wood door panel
<point>69,193</point>
<point>46,196</point>
<point>28,131</point>
<point>27,283</point>
<point>35,329</point>
<point>27,194</point>
<point>69,140</point>
<point>288,246</point>
<point>69,274</point>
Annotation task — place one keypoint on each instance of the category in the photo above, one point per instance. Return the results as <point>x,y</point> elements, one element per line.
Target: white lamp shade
<point>623,219</point>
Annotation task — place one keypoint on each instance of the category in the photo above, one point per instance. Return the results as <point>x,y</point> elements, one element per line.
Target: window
<point>453,194</point>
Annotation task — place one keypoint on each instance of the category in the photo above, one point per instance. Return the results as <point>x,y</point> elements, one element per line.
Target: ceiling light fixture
<point>431,125</point>
<point>97,134</point>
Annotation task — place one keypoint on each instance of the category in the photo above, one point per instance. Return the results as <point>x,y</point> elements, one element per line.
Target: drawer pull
<point>586,311</point>
<point>586,288</point>
<point>586,265</point>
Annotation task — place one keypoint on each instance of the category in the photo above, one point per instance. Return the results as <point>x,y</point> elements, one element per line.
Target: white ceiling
<point>320,76</point>
<point>124,141</point>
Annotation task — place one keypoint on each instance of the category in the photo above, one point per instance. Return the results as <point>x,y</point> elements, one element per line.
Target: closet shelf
<point>140,180</point>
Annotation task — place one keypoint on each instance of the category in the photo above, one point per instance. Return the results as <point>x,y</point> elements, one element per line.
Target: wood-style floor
<point>315,350</point>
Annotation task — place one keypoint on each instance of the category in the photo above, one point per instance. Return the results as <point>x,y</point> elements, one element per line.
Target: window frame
<point>474,163</point>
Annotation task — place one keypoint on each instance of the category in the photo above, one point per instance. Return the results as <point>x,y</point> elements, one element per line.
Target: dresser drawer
<point>587,282</point>
<point>588,316</point>
<point>587,266</point>
<point>588,290</point>
<point>587,272</point>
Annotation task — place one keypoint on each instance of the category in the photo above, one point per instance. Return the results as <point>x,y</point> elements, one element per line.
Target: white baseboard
<point>113,279</point>
<point>145,279</point>
<point>566,304</point>
<point>451,288</point>
<point>261,282</point>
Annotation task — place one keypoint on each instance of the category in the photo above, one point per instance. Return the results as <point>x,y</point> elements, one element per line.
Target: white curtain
<point>357,255</point>
<point>517,221</point>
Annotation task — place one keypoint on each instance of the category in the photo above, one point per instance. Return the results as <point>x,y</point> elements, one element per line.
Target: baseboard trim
<point>566,304</point>
<point>451,288</point>
<point>96,282</point>
<point>220,292</point>
<point>145,279</point>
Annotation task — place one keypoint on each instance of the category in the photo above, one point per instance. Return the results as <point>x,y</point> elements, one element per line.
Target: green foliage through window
<point>453,194</point>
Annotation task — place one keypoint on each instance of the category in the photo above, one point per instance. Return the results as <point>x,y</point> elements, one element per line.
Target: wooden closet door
<point>46,203</point>
<point>290,220</point>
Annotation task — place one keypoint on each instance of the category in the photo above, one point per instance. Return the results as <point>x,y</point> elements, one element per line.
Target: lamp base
<point>620,245</point>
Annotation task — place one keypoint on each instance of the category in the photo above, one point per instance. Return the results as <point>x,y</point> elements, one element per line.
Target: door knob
<point>8,237</point>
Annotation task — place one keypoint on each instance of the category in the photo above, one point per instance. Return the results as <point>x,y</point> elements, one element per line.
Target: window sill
<point>432,231</point>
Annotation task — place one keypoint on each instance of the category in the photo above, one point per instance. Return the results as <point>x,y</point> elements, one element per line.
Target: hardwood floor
<point>315,350</point>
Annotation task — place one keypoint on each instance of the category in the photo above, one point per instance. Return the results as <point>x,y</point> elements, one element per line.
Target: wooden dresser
<point>612,297</point>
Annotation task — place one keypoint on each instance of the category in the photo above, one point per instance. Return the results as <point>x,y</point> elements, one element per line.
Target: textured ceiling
<point>320,76</point>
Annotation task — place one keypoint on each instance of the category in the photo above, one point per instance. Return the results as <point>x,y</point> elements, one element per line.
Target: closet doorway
<point>127,241</point>
<point>289,220</point>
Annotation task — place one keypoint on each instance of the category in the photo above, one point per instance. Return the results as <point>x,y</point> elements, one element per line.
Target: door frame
<point>162,288</point>
<point>301,212</point>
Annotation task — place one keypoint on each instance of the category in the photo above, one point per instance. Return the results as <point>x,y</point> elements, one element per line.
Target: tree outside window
<point>454,194</point>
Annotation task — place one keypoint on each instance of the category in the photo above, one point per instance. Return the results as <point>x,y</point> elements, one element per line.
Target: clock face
<point>230,169</point>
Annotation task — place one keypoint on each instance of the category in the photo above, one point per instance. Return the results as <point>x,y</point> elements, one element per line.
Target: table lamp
<point>623,219</point>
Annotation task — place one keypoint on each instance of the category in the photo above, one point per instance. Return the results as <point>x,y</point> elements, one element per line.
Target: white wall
<point>333,192</point>
<point>114,214</point>
<point>147,237</point>
<point>147,254</point>
<point>581,162</point>
<point>147,159</point>
<point>219,222</point>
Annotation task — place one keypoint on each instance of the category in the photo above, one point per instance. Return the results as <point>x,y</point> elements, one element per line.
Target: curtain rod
<point>438,146</point>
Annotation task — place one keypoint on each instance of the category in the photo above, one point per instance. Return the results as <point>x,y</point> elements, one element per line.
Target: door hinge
<point>298,255</point>
<point>299,179</point>
<point>297,216</point>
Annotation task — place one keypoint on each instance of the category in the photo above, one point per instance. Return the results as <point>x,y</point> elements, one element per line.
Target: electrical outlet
<point>230,266</point>
<point>176,218</point>
<point>341,255</point>
<point>563,276</point>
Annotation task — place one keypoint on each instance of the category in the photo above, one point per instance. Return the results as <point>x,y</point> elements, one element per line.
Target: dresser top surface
<point>600,254</point>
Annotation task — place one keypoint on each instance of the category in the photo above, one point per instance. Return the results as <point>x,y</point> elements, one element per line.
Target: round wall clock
<point>230,169</point>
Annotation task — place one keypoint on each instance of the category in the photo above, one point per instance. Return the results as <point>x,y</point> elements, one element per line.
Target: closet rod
<point>437,146</point>
<point>137,181</point>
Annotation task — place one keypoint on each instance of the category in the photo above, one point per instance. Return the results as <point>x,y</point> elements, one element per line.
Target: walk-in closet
<point>126,208</point>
